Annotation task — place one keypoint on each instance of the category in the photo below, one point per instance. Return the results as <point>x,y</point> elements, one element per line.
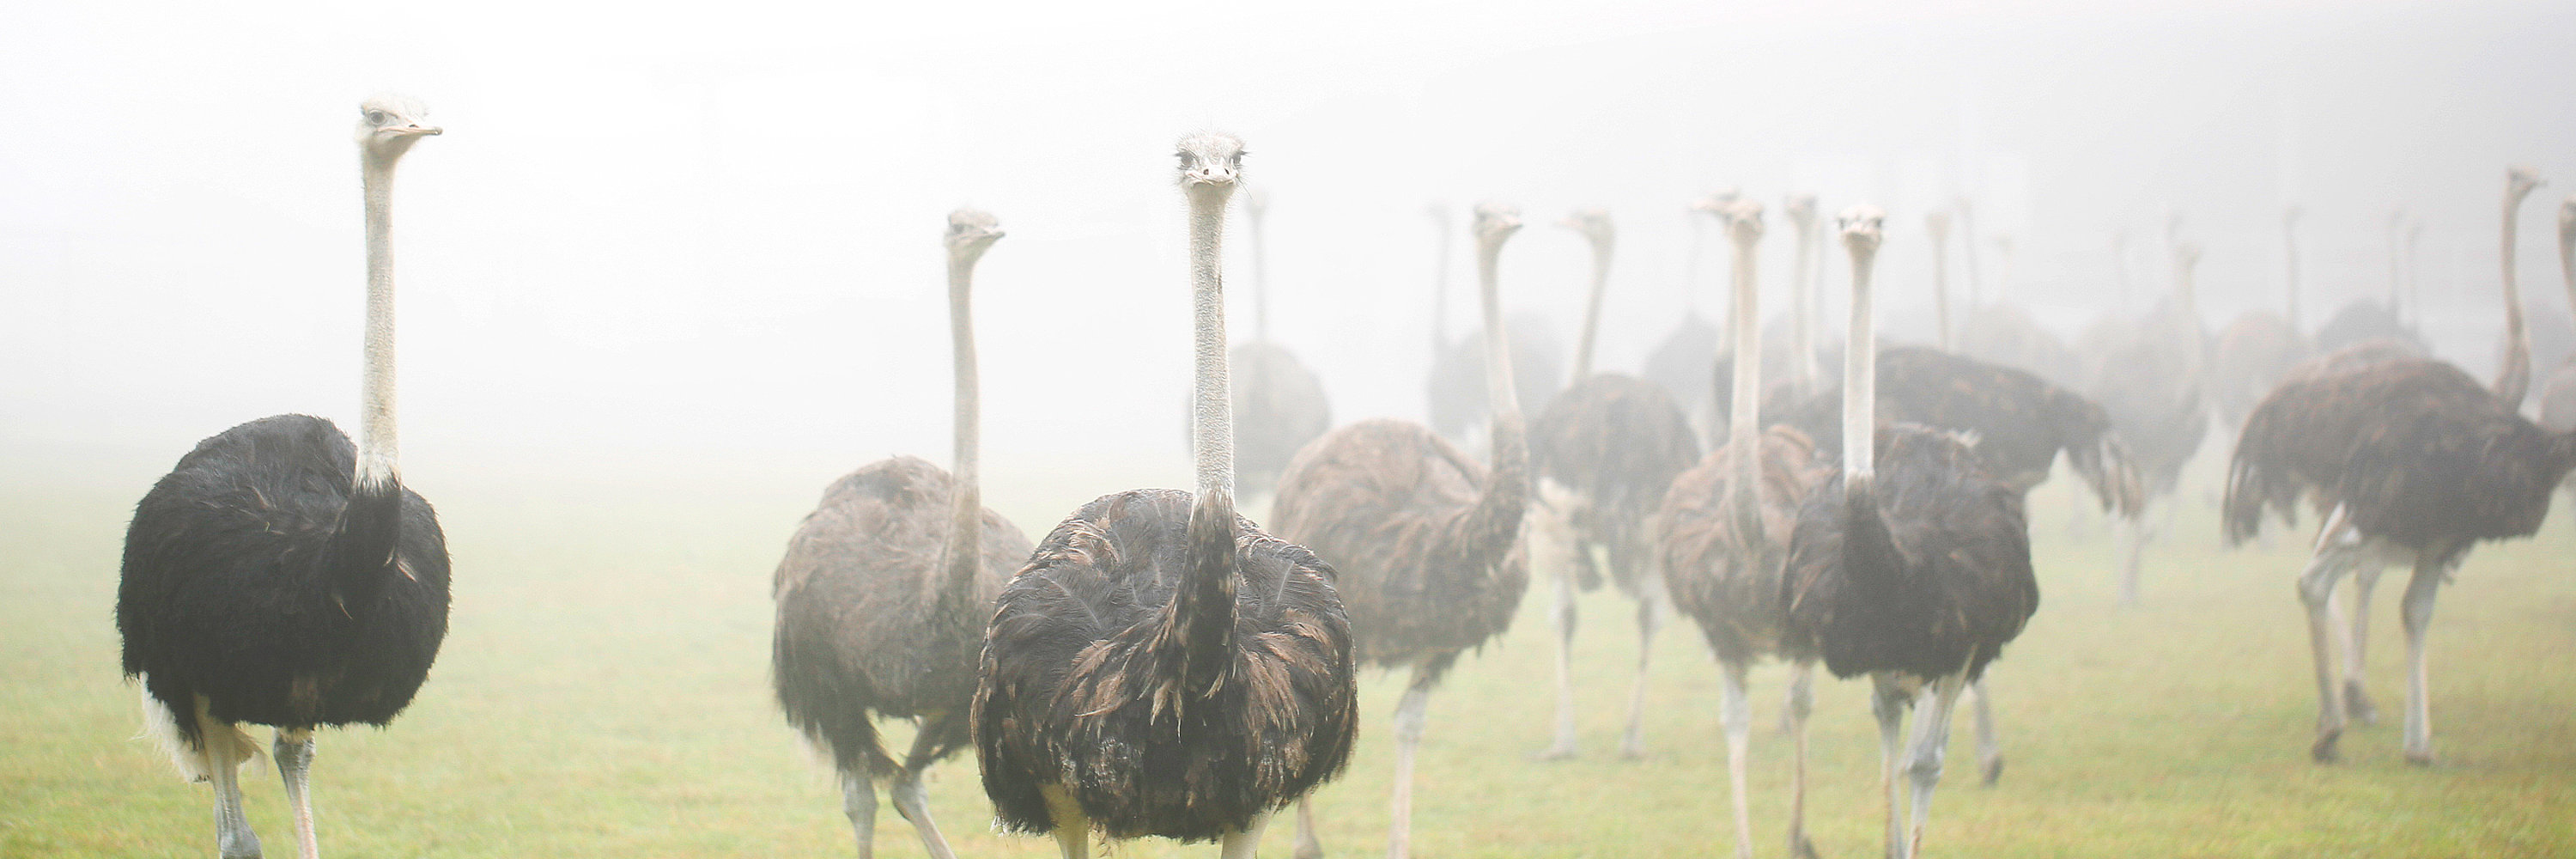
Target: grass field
<point>604,692</point>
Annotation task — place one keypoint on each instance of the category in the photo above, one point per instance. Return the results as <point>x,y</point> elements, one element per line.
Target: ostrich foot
<point>1560,752</point>
<point>2324,750</point>
<point>1632,750</point>
<point>1801,848</point>
<point>1994,771</point>
<point>2422,759</point>
<point>2357,704</point>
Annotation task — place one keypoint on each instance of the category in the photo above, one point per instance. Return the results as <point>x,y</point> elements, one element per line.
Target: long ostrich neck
<point>2290,244</point>
<point>1592,309</point>
<point>2513,380</point>
<point>1941,285</point>
<point>1495,520</point>
<point>1205,604</point>
<point>1968,252</point>
<point>966,523</point>
<point>378,461</point>
<point>1802,344</point>
<point>1743,440</point>
<point>1860,379</point>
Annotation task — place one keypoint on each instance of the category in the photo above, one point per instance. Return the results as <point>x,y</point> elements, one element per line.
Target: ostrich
<point>1605,450</point>
<point>2412,462</point>
<point>1800,209</point>
<point>281,576</point>
<point>2147,375</point>
<point>2558,396</point>
<point>1723,533</point>
<point>1426,540</point>
<point>1458,389</point>
<point>1282,403</point>
<point>1679,362</point>
<point>1917,574</point>
<point>884,591</point>
<point>1162,666</point>
<point>2255,351</point>
<point>1938,224</point>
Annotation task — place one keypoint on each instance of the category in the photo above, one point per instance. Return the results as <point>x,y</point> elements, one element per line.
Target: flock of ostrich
<point>1158,665</point>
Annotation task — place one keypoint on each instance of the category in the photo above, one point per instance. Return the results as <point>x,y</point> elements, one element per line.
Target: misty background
<point>687,249</point>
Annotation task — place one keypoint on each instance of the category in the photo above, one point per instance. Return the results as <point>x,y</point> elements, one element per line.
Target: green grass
<point>603,692</point>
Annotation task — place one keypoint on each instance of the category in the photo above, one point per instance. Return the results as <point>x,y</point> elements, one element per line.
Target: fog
<point>705,244</point>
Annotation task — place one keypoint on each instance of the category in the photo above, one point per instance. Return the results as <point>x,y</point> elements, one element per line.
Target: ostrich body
<point>1911,565</point>
<point>1281,401</point>
<point>1724,533</point>
<point>282,576</point>
<point>2259,348</point>
<point>1679,362</point>
<point>884,591</point>
<point>1459,400</point>
<point>2409,461</point>
<point>2148,376</point>
<point>1427,540</point>
<point>1605,450</point>
<point>2005,334</point>
<point>1162,666</point>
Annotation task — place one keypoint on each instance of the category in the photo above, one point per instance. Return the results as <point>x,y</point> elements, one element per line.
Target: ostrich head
<point>389,124</point>
<point>1595,226</point>
<point>1863,227</point>
<point>2519,181</point>
<point>1800,209</point>
<point>970,231</point>
<point>1496,222</point>
<point>1743,222</point>
<point>1211,164</point>
<point>1715,202</point>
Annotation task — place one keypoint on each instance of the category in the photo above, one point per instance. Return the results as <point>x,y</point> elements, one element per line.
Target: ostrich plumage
<point>1605,449</point>
<point>280,575</point>
<point>1723,533</point>
<point>2361,322</point>
<point>2408,461</point>
<point>1161,666</point>
<point>1911,565</point>
<point>2006,335</point>
<point>1427,540</point>
<point>884,591</point>
<point>2248,357</point>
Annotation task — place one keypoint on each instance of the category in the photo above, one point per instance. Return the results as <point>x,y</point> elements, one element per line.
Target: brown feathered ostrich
<point>281,576</point>
<point>1605,450</point>
<point>1911,565</point>
<point>2147,374</point>
<point>1426,539</point>
<point>2412,461</point>
<point>1161,666</point>
<point>884,592</point>
<point>1281,401</point>
<point>1723,534</point>
<point>2259,348</point>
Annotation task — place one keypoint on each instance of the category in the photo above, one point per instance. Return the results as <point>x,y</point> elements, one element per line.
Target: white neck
<point>1802,345</point>
<point>378,463</point>
<point>1860,376</point>
<point>965,535</point>
<point>1941,287</point>
<point>2513,379</point>
<point>1260,279</point>
<point>1212,424</point>
<point>1592,311</point>
<point>1498,349</point>
<point>1745,322</point>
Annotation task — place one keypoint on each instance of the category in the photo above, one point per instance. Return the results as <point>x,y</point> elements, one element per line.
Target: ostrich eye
<point>376,117</point>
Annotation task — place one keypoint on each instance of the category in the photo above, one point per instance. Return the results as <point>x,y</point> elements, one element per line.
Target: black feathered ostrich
<point>1605,450</point>
<point>884,592</point>
<point>1723,535</point>
<point>1281,401</point>
<point>2148,375</point>
<point>281,576</point>
<point>1163,667</point>
<point>1427,540</point>
<point>1912,565</point>
<point>2412,461</point>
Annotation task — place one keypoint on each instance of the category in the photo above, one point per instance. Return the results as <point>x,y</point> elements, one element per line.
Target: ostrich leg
<point>294,753</point>
<point>1410,716</point>
<point>2430,569</point>
<point>910,800</point>
<point>1241,845</point>
<point>1736,715</point>
<point>1650,619</point>
<point>1888,701</point>
<point>1931,739</point>
<point>2365,580</point>
<point>220,742</point>
<point>1801,702</point>
<point>2336,547</point>
<point>1307,846</point>
<point>1990,752</point>
<point>1570,552</point>
<point>1072,827</point>
<point>859,801</point>
<point>2132,530</point>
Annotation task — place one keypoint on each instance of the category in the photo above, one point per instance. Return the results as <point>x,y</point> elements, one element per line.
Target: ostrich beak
<point>416,130</point>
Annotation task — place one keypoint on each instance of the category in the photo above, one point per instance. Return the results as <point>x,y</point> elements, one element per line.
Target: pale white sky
<point>715,236</point>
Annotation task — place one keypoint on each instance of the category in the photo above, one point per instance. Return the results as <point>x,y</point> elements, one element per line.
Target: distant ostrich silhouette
<point>884,591</point>
<point>1458,399</point>
<point>1162,666</point>
<point>1917,574</point>
<point>1281,401</point>
<point>2147,374</point>
<point>1427,541</point>
<point>2558,396</point>
<point>1723,533</point>
<point>281,576</point>
<point>1938,225</point>
<point>2259,348</point>
<point>1605,450</point>
<point>2410,460</point>
<point>1679,362</point>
